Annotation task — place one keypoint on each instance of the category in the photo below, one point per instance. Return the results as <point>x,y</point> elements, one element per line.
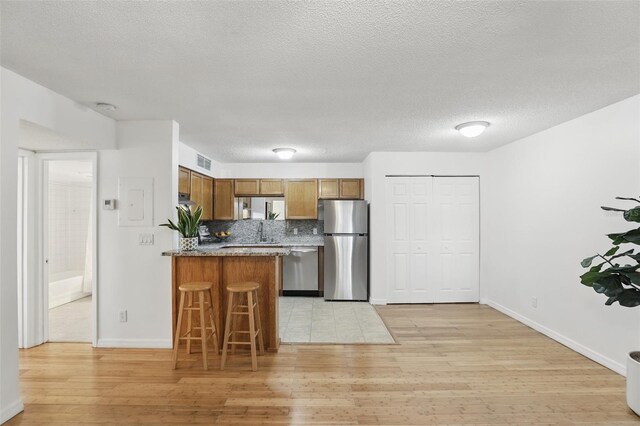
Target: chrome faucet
<point>263,235</point>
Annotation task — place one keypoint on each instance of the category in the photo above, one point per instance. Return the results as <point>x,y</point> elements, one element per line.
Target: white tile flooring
<point>312,320</point>
<point>71,322</point>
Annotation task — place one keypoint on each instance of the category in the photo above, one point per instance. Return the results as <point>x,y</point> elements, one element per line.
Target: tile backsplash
<point>275,230</point>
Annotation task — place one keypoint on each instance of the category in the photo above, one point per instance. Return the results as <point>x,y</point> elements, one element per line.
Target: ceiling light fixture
<point>284,153</point>
<point>105,107</point>
<point>472,128</point>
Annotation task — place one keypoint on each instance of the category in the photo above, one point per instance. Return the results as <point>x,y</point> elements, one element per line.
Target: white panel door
<point>408,241</point>
<point>456,230</point>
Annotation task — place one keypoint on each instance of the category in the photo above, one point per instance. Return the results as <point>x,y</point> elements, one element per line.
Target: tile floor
<point>71,322</point>
<point>312,320</point>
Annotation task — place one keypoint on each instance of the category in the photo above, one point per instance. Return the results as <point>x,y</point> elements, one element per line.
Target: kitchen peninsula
<point>221,266</point>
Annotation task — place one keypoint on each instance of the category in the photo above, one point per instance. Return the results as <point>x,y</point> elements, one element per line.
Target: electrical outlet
<point>145,239</point>
<point>315,231</point>
<point>534,302</point>
<point>295,231</point>
<point>123,316</point>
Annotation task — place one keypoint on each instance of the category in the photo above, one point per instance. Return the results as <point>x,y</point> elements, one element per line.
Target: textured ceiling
<point>335,80</point>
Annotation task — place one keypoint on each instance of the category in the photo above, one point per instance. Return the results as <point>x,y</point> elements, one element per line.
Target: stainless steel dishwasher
<point>300,272</point>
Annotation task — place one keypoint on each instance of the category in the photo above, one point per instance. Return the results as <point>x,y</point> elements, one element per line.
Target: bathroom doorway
<point>68,209</point>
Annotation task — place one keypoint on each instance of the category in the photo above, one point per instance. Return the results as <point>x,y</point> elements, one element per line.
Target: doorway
<point>69,266</point>
<point>433,240</point>
<point>57,245</point>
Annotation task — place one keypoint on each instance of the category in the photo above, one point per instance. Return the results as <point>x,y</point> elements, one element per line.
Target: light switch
<point>145,239</point>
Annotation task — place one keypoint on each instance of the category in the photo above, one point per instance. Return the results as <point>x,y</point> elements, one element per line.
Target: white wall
<point>22,99</point>
<point>133,277</point>
<point>543,217</point>
<point>290,170</point>
<point>188,157</point>
<point>379,164</point>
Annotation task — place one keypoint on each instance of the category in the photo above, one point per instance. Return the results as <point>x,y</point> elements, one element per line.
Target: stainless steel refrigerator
<point>346,257</point>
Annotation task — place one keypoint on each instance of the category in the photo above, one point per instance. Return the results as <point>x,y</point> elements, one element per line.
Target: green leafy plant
<point>272,215</point>
<point>188,221</point>
<point>619,282</point>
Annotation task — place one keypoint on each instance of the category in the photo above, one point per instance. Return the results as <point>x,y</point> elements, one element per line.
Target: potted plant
<point>188,223</point>
<point>617,276</point>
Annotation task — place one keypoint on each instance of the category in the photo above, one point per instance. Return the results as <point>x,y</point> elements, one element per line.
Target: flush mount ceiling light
<point>284,153</point>
<point>105,107</point>
<point>472,128</point>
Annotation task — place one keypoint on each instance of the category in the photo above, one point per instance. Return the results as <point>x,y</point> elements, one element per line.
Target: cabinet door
<point>184,180</point>
<point>351,189</point>
<point>245,187</point>
<point>271,187</point>
<point>196,188</point>
<point>328,188</point>
<point>207,198</point>
<point>301,199</point>
<point>223,199</point>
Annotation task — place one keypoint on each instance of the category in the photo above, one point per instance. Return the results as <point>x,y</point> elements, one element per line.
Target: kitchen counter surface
<point>223,250</point>
<point>245,247</point>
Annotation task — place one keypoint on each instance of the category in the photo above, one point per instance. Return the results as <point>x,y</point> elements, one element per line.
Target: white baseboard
<point>378,301</point>
<point>484,301</point>
<point>571,344</point>
<point>135,343</point>
<point>11,410</point>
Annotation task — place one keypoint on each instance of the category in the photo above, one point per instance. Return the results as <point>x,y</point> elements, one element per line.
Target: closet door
<point>456,225</point>
<point>408,240</point>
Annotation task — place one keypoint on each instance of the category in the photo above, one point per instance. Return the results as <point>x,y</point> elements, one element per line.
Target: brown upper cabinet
<point>301,199</point>
<point>207,198</point>
<point>249,187</point>
<point>271,187</point>
<point>223,194</point>
<point>201,193</point>
<point>184,180</point>
<point>348,189</point>
<point>328,188</point>
<point>244,187</point>
<point>352,189</point>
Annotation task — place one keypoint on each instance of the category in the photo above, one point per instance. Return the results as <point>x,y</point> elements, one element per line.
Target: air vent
<point>204,162</point>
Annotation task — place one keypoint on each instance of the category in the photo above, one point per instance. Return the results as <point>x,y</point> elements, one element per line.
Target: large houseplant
<point>616,275</point>
<point>187,226</point>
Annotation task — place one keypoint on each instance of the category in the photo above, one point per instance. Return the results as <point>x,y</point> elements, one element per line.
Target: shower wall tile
<point>69,206</point>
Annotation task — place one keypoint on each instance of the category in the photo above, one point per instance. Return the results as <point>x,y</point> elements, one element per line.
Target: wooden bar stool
<point>200,289</point>
<point>250,290</point>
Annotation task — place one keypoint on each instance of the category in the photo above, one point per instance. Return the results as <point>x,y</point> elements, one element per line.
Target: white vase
<point>187,244</point>
<point>633,383</point>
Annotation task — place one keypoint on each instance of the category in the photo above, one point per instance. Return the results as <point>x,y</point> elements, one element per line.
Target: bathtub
<point>65,287</point>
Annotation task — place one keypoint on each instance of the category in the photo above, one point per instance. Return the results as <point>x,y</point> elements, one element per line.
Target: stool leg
<point>260,338</point>
<point>227,331</point>
<point>189,323</point>
<point>234,324</point>
<point>214,333</point>
<point>203,330</point>
<point>252,331</point>
<point>176,341</point>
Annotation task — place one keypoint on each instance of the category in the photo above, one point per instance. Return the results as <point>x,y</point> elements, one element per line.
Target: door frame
<point>388,178</point>
<point>42,227</point>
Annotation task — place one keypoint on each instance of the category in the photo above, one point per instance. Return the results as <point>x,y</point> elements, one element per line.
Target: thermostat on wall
<point>109,205</point>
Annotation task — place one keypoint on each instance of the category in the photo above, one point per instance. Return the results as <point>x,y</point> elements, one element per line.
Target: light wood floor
<point>456,364</point>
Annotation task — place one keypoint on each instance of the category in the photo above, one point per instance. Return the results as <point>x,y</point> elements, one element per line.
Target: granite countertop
<point>242,247</point>
<point>222,250</point>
